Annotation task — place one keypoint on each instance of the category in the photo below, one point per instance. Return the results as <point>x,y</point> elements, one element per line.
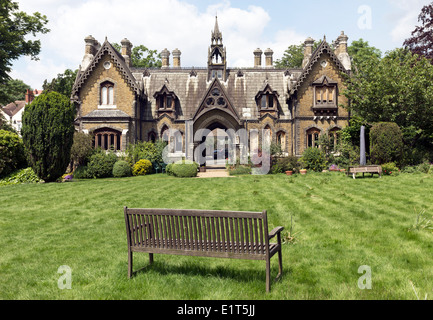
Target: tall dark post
<point>362,160</point>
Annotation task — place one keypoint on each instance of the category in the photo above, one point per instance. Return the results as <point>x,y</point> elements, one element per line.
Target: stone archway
<point>215,144</point>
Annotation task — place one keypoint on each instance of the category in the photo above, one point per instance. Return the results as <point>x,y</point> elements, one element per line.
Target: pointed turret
<point>217,36</point>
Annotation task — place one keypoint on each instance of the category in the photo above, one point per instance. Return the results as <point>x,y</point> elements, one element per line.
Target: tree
<point>386,143</point>
<point>62,84</point>
<point>142,57</point>
<point>13,90</point>
<point>15,26</point>
<point>396,88</point>
<point>294,56</point>
<point>361,52</point>
<point>48,130</point>
<point>11,152</point>
<point>82,148</point>
<point>421,42</point>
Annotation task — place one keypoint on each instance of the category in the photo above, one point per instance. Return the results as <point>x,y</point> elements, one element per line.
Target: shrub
<point>386,143</point>
<point>26,175</point>
<point>81,173</point>
<point>314,159</point>
<point>289,163</point>
<point>239,170</point>
<point>390,169</point>
<point>142,167</point>
<point>48,131</point>
<point>82,148</point>
<point>185,169</point>
<point>424,167</point>
<point>101,164</point>
<point>121,169</point>
<point>145,150</point>
<point>11,152</point>
<point>169,169</point>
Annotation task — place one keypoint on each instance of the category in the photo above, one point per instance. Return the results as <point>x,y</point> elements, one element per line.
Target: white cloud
<point>156,24</point>
<point>407,18</point>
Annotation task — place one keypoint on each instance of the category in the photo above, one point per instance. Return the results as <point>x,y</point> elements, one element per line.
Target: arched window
<point>334,138</point>
<point>313,136</point>
<point>107,93</point>
<point>281,140</point>
<point>108,139</point>
<point>151,136</point>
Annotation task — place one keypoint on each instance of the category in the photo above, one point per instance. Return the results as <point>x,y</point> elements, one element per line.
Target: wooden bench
<point>221,234</point>
<point>365,169</point>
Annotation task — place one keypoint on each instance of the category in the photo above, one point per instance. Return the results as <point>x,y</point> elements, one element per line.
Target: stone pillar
<point>258,58</point>
<point>165,56</point>
<point>89,52</point>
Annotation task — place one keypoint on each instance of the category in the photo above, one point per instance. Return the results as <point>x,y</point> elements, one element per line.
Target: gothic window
<point>151,136</point>
<point>313,135</point>
<point>325,93</point>
<point>216,99</point>
<point>267,99</point>
<point>107,93</point>
<point>107,139</point>
<point>165,101</point>
<point>281,140</point>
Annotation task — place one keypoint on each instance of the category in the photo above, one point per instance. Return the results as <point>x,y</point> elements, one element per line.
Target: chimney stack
<point>89,51</point>
<point>341,51</point>
<point>29,96</point>
<point>165,55</point>
<point>269,59</point>
<point>127,51</point>
<point>176,58</point>
<point>308,51</point>
<point>258,58</point>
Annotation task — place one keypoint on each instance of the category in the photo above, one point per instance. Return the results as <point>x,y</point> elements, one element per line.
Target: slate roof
<point>12,108</point>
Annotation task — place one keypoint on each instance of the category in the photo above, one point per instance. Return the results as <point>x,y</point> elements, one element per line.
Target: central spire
<point>216,33</point>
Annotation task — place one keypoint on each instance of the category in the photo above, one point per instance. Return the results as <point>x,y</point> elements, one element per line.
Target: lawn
<point>339,224</point>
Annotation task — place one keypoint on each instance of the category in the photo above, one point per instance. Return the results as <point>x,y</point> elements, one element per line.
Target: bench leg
<point>129,264</point>
<point>268,275</point>
<point>280,264</point>
<point>150,258</point>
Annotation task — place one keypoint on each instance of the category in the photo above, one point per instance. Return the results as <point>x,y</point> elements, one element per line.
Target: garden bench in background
<point>220,234</point>
<point>365,169</point>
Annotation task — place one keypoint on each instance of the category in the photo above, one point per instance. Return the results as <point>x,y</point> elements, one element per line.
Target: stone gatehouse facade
<point>120,104</point>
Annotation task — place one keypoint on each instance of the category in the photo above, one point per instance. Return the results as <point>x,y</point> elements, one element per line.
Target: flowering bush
<point>390,169</point>
<point>142,167</point>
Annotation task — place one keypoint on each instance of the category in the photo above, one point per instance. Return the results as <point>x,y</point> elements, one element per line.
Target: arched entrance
<point>215,137</point>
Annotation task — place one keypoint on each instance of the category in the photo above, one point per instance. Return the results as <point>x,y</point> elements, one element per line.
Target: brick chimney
<point>29,96</point>
<point>126,51</point>
<point>308,51</point>
<point>165,56</point>
<point>341,50</point>
<point>269,58</point>
<point>176,58</point>
<point>258,58</point>
<point>89,51</point>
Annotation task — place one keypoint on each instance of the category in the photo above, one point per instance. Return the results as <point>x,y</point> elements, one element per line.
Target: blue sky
<point>186,25</point>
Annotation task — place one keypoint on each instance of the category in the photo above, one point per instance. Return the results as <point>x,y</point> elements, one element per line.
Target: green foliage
<point>82,148</point>
<point>11,152</point>
<point>362,52</point>
<point>13,90</point>
<point>284,164</point>
<point>293,56</point>
<point>5,125</point>
<point>145,150</point>
<point>143,57</point>
<point>386,143</point>
<point>314,159</point>
<point>184,169</point>
<point>26,175</point>
<point>424,167</point>
<point>390,169</point>
<point>15,27</point>
<point>121,169</point>
<point>81,173</point>
<point>396,88</point>
<point>239,170</point>
<point>142,167</point>
<point>101,164</point>
<point>48,131</point>
<point>63,83</point>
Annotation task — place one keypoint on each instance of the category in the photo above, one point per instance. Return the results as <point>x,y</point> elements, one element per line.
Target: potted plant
<point>303,171</point>
<point>289,172</point>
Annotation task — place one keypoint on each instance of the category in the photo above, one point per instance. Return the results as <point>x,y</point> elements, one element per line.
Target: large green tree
<point>293,56</point>
<point>13,90</point>
<point>15,27</point>
<point>62,83</point>
<point>48,131</point>
<point>143,57</point>
<point>397,88</point>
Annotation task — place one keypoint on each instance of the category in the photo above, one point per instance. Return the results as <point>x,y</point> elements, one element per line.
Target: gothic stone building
<point>120,104</point>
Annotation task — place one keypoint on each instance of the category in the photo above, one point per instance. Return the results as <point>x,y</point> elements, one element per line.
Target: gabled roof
<point>321,49</point>
<point>12,108</point>
<point>202,107</point>
<point>266,89</point>
<point>106,48</point>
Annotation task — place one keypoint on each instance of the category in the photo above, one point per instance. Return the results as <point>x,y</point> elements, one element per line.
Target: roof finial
<point>216,33</point>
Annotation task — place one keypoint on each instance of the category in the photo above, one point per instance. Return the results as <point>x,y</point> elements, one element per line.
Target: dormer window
<point>267,99</point>
<point>325,93</point>
<point>165,100</point>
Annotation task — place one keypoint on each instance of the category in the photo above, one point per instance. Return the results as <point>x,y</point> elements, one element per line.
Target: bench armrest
<point>275,232</point>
